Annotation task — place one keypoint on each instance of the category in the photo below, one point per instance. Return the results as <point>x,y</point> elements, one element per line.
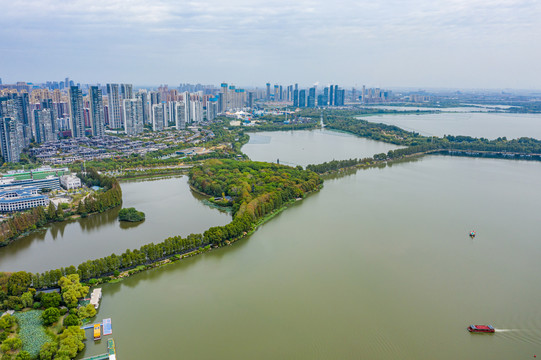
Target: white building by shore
<point>69,182</point>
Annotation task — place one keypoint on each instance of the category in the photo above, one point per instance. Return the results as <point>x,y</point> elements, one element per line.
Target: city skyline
<point>459,44</point>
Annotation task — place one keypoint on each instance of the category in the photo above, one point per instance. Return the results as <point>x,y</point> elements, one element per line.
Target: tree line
<point>414,143</point>
<point>257,190</point>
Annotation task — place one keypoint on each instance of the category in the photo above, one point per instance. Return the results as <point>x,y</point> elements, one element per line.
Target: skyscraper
<point>97,115</point>
<point>181,116</point>
<point>10,141</point>
<point>126,91</point>
<point>43,126</point>
<point>296,97</point>
<point>76,112</point>
<point>158,118</point>
<point>187,108</point>
<point>331,95</point>
<point>133,116</point>
<point>115,115</point>
<point>311,100</point>
<point>268,91</point>
<point>302,98</point>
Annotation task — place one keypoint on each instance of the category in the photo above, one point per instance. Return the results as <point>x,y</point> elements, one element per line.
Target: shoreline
<point>178,257</point>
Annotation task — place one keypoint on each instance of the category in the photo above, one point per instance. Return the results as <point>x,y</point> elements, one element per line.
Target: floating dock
<point>111,349</point>
<point>107,329</point>
<point>95,298</point>
<point>98,357</point>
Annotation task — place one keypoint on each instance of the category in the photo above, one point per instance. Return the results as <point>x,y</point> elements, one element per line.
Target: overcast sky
<point>386,43</point>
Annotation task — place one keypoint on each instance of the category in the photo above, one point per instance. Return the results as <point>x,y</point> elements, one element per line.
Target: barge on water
<point>481,329</point>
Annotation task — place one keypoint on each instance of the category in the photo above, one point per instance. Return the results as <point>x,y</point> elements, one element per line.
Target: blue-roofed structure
<point>18,198</point>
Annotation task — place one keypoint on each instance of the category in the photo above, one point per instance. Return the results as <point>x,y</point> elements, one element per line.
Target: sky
<point>490,44</point>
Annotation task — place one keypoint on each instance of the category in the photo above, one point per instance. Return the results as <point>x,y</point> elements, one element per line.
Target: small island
<point>131,215</point>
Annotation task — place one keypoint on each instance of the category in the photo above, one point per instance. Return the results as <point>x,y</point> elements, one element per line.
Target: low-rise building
<point>18,198</point>
<point>70,182</point>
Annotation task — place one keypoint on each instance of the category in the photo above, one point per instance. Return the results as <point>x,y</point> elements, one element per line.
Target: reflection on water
<point>170,208</point>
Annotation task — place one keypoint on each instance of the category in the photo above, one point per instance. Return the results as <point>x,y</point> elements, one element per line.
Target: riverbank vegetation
<point>416,144</point>
<point>256,189</point>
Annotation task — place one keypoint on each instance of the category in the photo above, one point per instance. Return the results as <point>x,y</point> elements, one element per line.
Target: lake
<point>310,146</point>
<point>170,208</point>
<point>476,124</point>
<point>377,265</point>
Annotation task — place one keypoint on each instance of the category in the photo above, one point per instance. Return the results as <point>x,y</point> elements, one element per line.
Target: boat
<point>472,234</point>
<point>97,332</point>
<point>481,328</point>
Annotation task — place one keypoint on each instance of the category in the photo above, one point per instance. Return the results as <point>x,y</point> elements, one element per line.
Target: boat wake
<point>506,330</point>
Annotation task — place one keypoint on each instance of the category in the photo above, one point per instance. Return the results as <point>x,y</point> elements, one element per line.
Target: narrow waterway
<point>377,265</point>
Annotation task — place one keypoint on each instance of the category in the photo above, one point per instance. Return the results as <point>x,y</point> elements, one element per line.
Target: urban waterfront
<point>376,265</point>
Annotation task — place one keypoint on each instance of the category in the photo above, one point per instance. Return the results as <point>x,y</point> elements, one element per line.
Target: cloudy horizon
<point>414,43</point>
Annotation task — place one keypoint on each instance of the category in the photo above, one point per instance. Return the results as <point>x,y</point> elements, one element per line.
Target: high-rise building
<point>133,116</point>
<point>268,91</point>
<point>296,97</point>
<point>340,95</point>
<point>302,98</point>
<point>181,116</point>
<point>115,115</point>
<point>126,91</point>
<point>48,104</point>
<point>331,95</point>
<point>23,113</point>
<point>76,112</point>
<point>276,92</point>
<point>325,98</point>
<point>10,139</point>
<point>212,109</point>
<point>43,126</point>
<point>311,100</point>
<point>224,97</point>
<point>143,95</point>
<point>251,99</point>
<point>187,108</point>
<point>336,95</point>
<point>97,115</point>
<point>158,118</point>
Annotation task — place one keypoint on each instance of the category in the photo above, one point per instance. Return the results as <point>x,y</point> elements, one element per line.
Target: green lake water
<point>377,265</point>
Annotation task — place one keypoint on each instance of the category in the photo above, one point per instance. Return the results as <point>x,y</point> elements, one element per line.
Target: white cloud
<point>300,32</point>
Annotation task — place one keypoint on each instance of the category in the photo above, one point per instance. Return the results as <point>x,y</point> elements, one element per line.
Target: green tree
<point>23,355</point>
<point>7,321</point>
<point>50,300</point>
<point>71,320</point>
<point>11,344</point>
<point>51,212</point>
<point>71,342</point>
<point>87,311</point>
<point>48,351</point>
<point>19,282</point>
<point>27,299</point>
<point>50,316</point>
